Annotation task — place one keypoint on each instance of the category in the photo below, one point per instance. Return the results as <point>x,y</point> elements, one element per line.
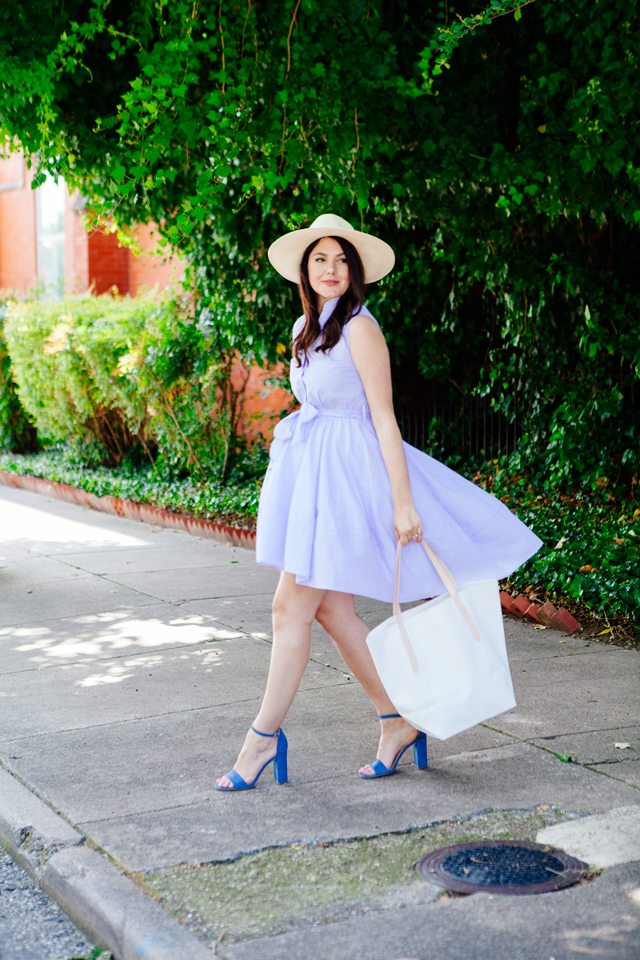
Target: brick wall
<point>108,263</point>
<point>18,266</point>
<point>262,406</point>
<point>152,269</point>
<point>76,246</point>
<point>89,256</point>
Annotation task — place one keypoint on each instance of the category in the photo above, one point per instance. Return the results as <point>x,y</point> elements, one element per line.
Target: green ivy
<point>499,154</point>
<point>591,545</point>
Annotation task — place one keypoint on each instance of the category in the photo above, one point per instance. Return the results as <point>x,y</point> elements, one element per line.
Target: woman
<point>342,489</point>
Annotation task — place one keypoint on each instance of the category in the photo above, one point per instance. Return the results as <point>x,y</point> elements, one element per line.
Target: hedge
<point>123,380</point>
<point>17,433</point>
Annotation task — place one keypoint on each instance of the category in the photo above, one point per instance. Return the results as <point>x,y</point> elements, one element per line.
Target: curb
<point>105,903</point>
<point>143,512</point>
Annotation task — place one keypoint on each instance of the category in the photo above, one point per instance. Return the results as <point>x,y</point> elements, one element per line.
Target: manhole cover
<point>509,867</point>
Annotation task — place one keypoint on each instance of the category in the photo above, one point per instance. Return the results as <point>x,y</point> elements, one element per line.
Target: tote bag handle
<point>447,578</point>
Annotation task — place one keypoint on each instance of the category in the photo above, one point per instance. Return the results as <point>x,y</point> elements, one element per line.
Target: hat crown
<point>330,221</point>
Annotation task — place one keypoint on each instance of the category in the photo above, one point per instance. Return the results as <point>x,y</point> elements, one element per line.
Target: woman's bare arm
<point>371,358</point>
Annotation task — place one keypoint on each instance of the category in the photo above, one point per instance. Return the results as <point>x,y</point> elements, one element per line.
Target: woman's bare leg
<point>337,615</point>
<point>294,610</point>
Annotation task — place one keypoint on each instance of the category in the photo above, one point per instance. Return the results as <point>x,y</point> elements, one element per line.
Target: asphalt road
<point>32,925</point>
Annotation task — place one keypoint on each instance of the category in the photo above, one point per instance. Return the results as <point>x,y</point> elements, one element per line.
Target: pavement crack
<point>112,723</point>
<point>584,764</point>
<point>556,736</point>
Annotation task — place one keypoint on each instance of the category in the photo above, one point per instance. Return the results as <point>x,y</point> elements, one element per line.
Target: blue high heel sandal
<point>279,766</point>
<point>419,755</point>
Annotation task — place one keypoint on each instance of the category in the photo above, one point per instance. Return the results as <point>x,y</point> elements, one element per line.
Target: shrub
<point>121,379</point>
<point>591,544</point>
<point>17,433</point>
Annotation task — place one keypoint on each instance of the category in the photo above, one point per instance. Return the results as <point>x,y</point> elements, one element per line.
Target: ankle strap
<point>388,716</point>
<point>265,734</point>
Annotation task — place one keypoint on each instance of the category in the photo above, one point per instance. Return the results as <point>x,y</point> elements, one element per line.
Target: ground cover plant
<point>590,559</point>
<point>235,502</point>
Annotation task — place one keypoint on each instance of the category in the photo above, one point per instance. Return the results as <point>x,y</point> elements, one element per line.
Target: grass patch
<point>277,890</point>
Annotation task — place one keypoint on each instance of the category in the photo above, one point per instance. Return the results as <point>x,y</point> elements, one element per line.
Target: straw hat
<point>286,253</point>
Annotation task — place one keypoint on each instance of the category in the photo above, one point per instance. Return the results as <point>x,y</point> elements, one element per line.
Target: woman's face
<point>328,270</point>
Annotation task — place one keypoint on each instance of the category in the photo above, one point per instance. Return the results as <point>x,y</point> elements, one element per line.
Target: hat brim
<point>286,252</point>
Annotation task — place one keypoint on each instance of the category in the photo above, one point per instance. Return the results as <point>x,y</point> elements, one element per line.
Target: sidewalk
<point>132,662</point>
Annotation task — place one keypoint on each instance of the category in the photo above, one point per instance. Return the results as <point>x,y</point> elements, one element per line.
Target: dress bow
<point>291,428</point>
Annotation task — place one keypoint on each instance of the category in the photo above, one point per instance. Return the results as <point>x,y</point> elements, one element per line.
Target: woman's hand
<point>408,525</point>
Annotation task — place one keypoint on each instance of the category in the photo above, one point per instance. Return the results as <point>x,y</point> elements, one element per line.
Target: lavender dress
<point>326,511</point>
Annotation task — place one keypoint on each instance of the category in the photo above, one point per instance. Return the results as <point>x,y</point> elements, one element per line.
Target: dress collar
<point>327,310</point>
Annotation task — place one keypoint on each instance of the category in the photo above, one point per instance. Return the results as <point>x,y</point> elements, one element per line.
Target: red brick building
<point>43,241</point>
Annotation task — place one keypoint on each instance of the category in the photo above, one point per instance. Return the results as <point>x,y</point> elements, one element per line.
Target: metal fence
<point>440,417</point>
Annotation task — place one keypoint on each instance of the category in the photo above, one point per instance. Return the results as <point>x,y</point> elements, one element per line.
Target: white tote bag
<point>444,663</point>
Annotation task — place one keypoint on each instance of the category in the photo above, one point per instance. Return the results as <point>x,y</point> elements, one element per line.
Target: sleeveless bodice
<point>330,381</point>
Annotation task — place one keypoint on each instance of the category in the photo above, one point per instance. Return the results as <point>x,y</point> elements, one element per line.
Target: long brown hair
<point>347,306</point>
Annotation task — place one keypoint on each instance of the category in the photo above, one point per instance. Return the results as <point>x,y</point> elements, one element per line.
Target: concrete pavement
<point>132,660</point>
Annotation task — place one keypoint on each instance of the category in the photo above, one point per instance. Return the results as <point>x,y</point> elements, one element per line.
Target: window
<point>50,201</point>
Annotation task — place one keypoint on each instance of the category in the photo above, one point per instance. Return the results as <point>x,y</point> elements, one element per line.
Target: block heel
<point>280,762</point>
<point>279,766</point>
<point>420,751</point>
<point>419,754</point>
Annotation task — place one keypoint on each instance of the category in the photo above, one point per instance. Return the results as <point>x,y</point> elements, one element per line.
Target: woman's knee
<point>278,608</point>
<point>335,612</point>
<point>327,619</point>
<point>286,609</point>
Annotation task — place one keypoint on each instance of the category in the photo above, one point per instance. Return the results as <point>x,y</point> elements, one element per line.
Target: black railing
<point>442,419</point>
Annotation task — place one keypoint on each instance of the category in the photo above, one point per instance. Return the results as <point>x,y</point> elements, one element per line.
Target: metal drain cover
<point>507,867</point>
